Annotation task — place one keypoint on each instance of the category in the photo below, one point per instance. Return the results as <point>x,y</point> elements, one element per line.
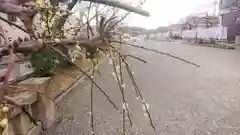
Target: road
<point>183,99</point>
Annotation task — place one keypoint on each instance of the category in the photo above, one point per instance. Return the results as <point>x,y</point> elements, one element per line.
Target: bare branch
<point>91,103</point>
<point>11,23</point>
<point>156,51</point>
<point>121,5</point>
<point>86,74</point>
<point>136,88</point>
<point>121,87</point>
<point>135,57</point>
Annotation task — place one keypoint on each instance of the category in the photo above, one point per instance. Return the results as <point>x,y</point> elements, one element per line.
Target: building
<point>134,31</point>
<point>205,21</point>
<point>230,17</point>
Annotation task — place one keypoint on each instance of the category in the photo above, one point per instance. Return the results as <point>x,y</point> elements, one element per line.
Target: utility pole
<point>215,3</point>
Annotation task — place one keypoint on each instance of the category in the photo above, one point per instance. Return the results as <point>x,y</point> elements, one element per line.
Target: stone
<point>37,84</point>
<point>21,123</point>
<point>44,109</point>
<point>35,130</point>
<point>26,98</point>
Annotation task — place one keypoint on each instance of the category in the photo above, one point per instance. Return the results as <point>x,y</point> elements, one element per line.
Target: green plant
<point>45,62</point>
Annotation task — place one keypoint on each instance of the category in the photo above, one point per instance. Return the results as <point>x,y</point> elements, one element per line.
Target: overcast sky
<point>165,12</point>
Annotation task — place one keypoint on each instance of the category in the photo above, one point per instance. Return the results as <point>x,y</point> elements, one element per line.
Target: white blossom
<point>125,106</point>
<point>114,76</point>
<point>123,85</point>
<point>145,114</point>
<point>58,13</point>
<point>110,61</point>
<point>57,40</point>
<point>118,69</point>
<point>137,98</point>
<point>145,108</point>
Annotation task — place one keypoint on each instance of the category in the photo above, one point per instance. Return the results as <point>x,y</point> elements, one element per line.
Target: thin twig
<point>135,57</point>
<point>11,23</point>
<point>120,84</point>
<point>121,79</point>
<point>156,51</point>
<point>136,88</point>
<point>123,98</point>
<point>88,76</point>
<point>91,104</point>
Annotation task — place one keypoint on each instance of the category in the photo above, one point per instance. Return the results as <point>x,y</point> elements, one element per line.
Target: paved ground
<point>184,100</point>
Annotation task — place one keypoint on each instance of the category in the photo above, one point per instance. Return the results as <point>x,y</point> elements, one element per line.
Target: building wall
<point>219,33</point>
<point>230,12</point>
<point>229,20</point>
<point>224,4</point>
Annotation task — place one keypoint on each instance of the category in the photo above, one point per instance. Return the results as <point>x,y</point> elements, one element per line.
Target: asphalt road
<point>184,99</point>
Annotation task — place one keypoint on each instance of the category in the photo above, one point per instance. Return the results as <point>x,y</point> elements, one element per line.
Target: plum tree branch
<point>121,5</point>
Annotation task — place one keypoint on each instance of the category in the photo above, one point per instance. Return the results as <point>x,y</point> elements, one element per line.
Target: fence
<point>218,33</point>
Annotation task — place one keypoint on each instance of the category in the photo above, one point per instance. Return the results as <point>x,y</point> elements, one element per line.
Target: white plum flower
<point>89,113</point>
<point>114,76</point>
<point>118,69</point>
<point>57,40</point>
<point>125,106</point>
<point>123,85</point>
<point>145,108</point>
<point>110,61</point>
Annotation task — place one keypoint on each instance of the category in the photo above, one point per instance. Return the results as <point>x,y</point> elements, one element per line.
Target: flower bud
<point>5,109</point>
<point>4,123</point>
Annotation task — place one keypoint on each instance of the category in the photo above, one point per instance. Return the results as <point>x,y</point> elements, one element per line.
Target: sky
<point>166,12</point>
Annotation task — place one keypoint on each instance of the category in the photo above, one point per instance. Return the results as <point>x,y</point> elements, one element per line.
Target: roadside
<point>184,100</point>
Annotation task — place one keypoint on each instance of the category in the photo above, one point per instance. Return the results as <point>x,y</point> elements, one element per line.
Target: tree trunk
<point>60,21</point>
